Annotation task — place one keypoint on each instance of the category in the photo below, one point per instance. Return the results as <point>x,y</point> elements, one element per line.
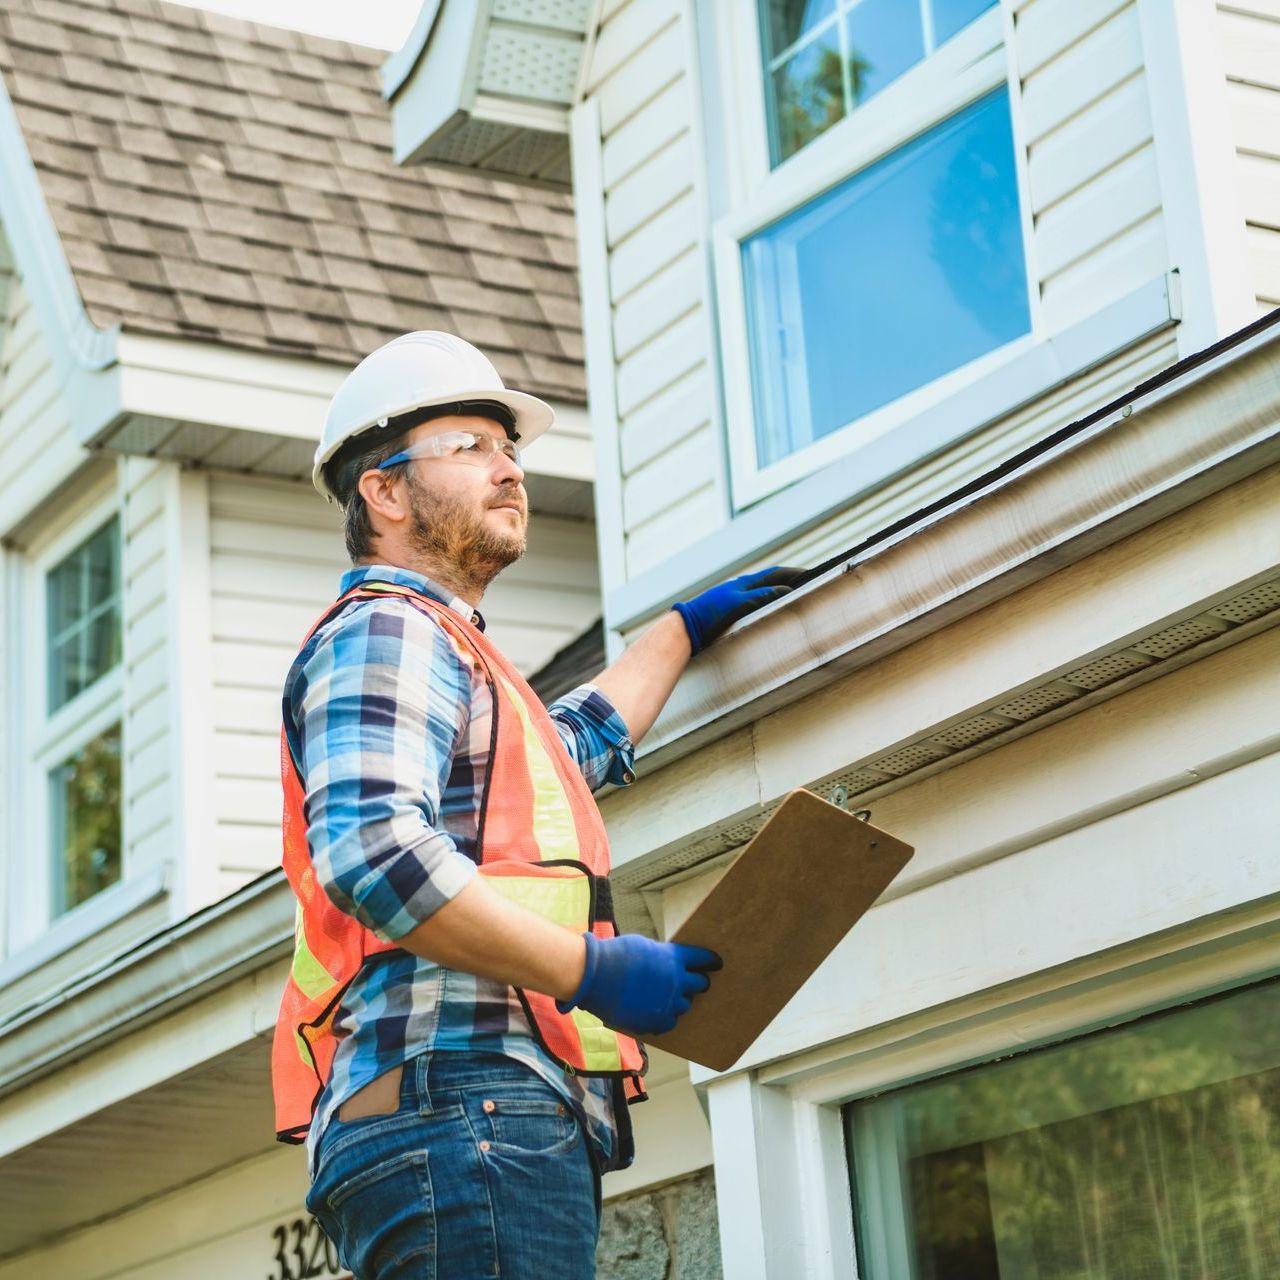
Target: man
<point>456,1041</point>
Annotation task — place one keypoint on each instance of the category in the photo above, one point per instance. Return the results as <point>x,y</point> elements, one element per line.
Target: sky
<point>381,24</point>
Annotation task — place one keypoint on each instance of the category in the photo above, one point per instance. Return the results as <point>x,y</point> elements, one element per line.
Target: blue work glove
<point>632,983</point>
<point>712,613</point>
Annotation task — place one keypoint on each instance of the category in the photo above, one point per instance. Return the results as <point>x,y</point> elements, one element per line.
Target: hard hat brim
<point>532,418</point>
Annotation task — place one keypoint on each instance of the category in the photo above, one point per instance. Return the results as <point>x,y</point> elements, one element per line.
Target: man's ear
<point>384,498</point>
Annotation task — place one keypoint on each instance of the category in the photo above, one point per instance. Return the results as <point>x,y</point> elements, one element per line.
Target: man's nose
<point>504,467</point>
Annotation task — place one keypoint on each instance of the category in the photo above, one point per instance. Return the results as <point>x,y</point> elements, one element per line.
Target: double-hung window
<point>871,257</point>
<point>78,728</point>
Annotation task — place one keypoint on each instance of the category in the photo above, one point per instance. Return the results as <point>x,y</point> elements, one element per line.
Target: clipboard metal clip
<point>840,797</point>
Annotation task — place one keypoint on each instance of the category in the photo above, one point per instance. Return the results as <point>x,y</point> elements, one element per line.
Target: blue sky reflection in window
<point>907,270</point>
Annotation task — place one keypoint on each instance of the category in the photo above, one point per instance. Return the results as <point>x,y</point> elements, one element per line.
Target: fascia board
<point>185,381</point>
<point>400,65</point>
<point>441,82</point>
<point>1155,454</point>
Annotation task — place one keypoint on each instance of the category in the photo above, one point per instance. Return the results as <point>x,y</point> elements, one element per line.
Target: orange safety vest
<point>542,843</point>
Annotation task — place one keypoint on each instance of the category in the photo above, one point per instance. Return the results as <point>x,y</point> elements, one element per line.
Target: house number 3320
<point>302,1251</point>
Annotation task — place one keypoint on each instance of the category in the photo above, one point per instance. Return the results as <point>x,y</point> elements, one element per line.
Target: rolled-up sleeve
<point>595,736</point>
<point>379,710</point>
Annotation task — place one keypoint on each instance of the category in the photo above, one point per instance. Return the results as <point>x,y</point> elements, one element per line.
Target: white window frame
<point>968,67</point>
<point>778,1131</point>
<point>48,739</point>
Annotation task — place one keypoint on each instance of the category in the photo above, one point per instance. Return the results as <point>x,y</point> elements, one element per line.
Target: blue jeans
<point>482,1172</point>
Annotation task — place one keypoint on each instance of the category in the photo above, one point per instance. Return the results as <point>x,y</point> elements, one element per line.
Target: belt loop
<point>421,1066</point>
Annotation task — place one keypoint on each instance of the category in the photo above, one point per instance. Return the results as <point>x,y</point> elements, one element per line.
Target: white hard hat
<point>419,371</point>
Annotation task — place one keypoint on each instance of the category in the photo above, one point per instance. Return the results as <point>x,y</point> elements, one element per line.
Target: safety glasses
<point>473,447</point>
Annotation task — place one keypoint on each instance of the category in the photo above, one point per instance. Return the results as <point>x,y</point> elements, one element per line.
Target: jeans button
<point>484,1146</point>
<point>489,1105</point>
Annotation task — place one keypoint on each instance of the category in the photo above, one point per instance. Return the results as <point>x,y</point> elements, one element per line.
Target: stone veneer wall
<point>667,1233</point>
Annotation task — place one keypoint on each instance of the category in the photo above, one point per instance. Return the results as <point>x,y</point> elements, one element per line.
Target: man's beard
<point>453,533</point>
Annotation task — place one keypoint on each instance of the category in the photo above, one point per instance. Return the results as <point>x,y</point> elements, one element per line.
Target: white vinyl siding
<point>1095,190</point>
<point>1094,221</point>
<point>35,430</point>
<point>656,271</point>
<point>1250,34</point>
<point>276,560</point>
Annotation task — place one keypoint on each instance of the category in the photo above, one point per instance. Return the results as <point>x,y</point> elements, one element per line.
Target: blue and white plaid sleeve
<point>380,707</point>
<point>596,736</point>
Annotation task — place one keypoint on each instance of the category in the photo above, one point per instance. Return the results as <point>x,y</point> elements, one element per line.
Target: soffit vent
<point>1103,676</point>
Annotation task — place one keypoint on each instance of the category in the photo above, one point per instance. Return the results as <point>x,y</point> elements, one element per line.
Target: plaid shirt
<point>390,728</point>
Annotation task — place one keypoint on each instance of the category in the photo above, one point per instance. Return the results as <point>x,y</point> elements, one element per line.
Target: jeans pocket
<point>531,1125</point>
<point>381,1217</point>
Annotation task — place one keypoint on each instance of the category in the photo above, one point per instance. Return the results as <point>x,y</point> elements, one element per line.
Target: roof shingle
<point>219,179</point>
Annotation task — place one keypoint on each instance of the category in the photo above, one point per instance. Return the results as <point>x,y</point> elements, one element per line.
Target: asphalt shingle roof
<point>221,180</point>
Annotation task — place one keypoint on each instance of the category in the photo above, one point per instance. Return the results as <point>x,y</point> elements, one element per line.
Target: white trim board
<point>781,1129</point>
<point>1035,372</point>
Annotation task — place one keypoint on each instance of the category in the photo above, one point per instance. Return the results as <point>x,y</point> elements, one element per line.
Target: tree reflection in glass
<point>86,820</point>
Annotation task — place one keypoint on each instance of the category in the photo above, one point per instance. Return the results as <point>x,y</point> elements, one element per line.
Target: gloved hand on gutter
<point>711,614</point>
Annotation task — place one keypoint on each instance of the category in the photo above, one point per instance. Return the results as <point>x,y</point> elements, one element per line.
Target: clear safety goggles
<point>477,448</point>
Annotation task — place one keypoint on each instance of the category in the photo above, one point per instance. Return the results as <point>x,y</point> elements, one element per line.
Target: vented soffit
<point>487,85</point>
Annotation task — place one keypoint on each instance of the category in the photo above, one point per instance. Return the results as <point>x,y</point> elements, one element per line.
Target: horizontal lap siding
<point>1250,37</point>
<point>33,419</point>
<point>1091,167</point>
<point>150,702</point>
<point>672,494</point>
<point>276,561</point>
<point>275,558</point>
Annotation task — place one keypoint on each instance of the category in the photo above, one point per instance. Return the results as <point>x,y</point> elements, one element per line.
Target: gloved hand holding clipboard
<point>802,882</point>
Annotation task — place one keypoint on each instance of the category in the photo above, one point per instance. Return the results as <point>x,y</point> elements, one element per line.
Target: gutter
<point>188,961</point>
<point>1124,467</point>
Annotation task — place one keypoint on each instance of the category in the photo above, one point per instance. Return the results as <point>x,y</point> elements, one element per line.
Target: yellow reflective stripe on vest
<point>553,826</point>
<point>563,900</point>
<point>312,978</point>
<point>600,1048</point>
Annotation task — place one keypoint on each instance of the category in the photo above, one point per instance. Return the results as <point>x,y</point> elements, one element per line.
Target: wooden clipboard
<point>802,882</point>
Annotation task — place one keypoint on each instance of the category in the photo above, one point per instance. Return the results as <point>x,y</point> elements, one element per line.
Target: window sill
<point>83,922</point>
<point>784,516</point>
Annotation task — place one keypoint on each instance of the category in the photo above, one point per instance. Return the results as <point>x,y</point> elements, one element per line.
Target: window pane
<point>785,21</point>
<point>83,611</point>
<point>808,94</point>
<point>905,271</point>
<point>85,795</point>
<point>885,39</point>
<point>1150,1152</point>
<point>949,16</point>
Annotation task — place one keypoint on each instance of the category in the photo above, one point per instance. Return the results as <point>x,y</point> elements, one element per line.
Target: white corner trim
<point>90,918</point>
<point>1198,171</point>
<point>190,656</point>
<point>597,334</point>
<point>1034,372</point>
